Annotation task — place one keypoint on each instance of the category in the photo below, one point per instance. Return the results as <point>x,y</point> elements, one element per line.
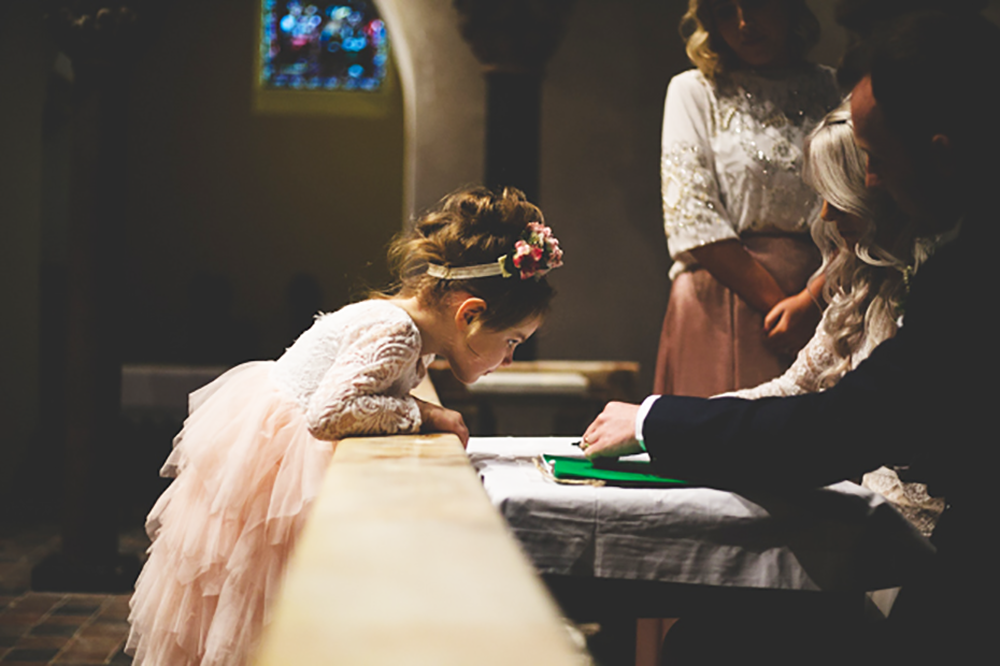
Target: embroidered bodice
<point>353,370</point>
<point>731,155</point>
<point>803,376</point>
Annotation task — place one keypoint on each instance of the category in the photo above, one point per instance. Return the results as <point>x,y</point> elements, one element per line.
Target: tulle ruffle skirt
<point>246,471</point>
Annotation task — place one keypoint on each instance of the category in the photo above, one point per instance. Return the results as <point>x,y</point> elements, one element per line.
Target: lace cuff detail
<point>801,377</point>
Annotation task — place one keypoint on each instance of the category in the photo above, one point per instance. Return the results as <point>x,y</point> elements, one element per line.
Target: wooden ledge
<point>405,561</point>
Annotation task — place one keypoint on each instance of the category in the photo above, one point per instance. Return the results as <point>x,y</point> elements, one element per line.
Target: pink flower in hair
<point>555,254</point>
<point>534,255</point>
<point>526,258</point>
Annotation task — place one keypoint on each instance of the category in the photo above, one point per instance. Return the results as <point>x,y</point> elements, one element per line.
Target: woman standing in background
<point>736,212</point>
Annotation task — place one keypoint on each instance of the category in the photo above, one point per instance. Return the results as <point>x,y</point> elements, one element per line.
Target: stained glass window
<point>331,46</point>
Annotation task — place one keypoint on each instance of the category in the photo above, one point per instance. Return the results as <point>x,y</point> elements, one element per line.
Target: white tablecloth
<point>839,538</point>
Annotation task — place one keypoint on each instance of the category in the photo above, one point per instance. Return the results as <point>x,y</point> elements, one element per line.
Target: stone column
<point>513,40</point>
<point>102,43</point>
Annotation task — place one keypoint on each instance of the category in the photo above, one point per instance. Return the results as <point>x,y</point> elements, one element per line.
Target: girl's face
<point>850,227</point>
<point>479,350</point>
<point>756,30</point>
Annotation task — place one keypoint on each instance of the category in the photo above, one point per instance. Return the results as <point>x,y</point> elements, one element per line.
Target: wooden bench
<point>532,398</point>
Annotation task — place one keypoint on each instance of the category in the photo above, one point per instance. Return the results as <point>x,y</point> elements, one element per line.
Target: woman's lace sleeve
<point>366,390</point>
<point>693,212</point>
<point>801,377</point>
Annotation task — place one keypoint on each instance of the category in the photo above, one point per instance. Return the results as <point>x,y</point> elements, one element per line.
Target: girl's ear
<point>468,311</point>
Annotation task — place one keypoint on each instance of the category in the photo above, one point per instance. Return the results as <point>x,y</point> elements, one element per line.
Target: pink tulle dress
<point>247,465</point>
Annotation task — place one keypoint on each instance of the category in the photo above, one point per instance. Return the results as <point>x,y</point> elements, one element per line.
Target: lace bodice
<point>803,376</point>
<point>732,155</point>
<point>353,370</point>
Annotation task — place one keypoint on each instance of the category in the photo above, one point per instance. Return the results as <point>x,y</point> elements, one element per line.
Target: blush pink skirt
<point>247,471</point>
<point>712,340</point>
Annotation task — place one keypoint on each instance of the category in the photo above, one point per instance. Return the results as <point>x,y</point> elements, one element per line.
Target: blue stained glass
<point>355,43</point>
<point>323,46</point>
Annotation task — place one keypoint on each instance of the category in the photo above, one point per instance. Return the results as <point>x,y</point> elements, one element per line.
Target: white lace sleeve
<point>693,211</point>
<point>801,377</point>
<point>364,391</point>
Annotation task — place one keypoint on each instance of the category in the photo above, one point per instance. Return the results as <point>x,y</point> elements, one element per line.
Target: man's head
<point>925,114</point>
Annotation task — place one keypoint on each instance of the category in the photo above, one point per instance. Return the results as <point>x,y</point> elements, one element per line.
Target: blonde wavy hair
<point>709,52</point>
<point>865,288</point>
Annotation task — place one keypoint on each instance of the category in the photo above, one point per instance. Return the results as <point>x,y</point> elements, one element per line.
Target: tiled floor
<point>54,628</point>
<point>40,628</point>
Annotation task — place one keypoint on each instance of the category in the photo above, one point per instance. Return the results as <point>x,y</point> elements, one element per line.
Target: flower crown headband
<point>535,254</point>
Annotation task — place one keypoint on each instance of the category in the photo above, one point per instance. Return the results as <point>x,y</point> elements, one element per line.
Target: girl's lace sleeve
<point>693,212</point>
<point>801,377</point>
<point>366,390</point>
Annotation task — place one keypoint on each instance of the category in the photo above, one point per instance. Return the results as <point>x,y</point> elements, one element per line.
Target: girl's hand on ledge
<point>434,418</point>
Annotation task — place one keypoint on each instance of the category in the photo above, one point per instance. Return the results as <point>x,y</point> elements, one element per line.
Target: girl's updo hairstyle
<point>709,52</point>
<point>470,227</point>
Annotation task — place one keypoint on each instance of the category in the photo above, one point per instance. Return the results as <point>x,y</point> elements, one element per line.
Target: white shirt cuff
<point>640,418</point>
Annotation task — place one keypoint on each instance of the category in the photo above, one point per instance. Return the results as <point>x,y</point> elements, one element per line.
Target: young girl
<point>251,456</point>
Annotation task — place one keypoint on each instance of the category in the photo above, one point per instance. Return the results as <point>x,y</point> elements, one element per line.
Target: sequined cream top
<point>732,155</point>
<point>353,370</point>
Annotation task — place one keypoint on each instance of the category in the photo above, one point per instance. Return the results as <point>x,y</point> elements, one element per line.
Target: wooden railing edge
<point>405,560</point>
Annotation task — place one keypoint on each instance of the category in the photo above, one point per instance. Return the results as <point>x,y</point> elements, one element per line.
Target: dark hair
<point>864,16</point>
<point>469,227</point>
<point>935,73</point>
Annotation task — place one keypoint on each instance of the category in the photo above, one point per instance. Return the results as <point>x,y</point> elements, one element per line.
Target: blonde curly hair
<point>864,287</point>
<point>709,52</point>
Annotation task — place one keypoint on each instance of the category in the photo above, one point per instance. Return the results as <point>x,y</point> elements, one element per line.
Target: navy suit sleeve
<point>812,439</point>
<point>904,405</point>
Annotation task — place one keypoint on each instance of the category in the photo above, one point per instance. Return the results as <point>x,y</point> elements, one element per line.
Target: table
<point>642,552</point>
<point>840,538</point>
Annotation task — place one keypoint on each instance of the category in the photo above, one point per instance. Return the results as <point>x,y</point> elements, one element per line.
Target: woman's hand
<point>791,323</point>
<point>612,434</point>
<point>434,418</point>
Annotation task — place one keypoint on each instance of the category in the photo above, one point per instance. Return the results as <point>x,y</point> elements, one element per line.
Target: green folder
<point>634,473</point>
